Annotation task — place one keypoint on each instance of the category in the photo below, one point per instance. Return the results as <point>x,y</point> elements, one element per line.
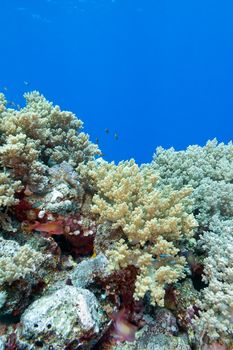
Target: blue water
<point>156,72</point>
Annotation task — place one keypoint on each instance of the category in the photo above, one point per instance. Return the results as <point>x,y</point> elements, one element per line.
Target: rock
<point>152,336</point>
<point>2,343</point>
<point>147,339</point>
<point>64,196</point>
<point>68,317</point>
<point>3,297</point>
<point>85,272</point>
<point>165,322</point>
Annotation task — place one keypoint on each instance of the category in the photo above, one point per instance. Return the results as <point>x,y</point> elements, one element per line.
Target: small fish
<point>173,262</point>
<point>11,103</point>
<point>116,137</point>
<point>214,346</point>
<point>97,140</point>
<point>123,329</point>
<point>18,106</point>
<point>94,255</point>
<point>106,130</point>
<point>11,342</point>
<point>52,227</point>
<point>5,88</point>
<point>26,83</point>
<point>165,256</point>
<point>27,191</point>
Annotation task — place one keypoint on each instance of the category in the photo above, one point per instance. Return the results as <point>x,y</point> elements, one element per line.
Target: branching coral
<point>8,187</point>
<point>216,317</point>
<point>3,103</point>
<point>39,136</point>
<point>208,169</point>
<point>16,261</point>
<point>150,223</point>
<point>32,141</point>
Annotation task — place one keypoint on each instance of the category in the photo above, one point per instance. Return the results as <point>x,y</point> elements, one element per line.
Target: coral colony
<point>95,255</point>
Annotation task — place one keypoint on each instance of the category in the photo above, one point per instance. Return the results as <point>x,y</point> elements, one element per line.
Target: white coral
<point>216,317</point>
<point>208,169</point>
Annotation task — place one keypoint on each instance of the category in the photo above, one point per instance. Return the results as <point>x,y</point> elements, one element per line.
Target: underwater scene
<point>116,175</point>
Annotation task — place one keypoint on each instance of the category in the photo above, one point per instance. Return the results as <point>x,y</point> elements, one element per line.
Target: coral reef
<point>67,316</point>
<point>22,271</point>
<point>16,262</point>
<point>150,223</point>
<point>97,255</point>
<point>39,136</point>
<point>86,272</point>
<point>208,170</point>
<point>216,317</point>
<point>152,337</point>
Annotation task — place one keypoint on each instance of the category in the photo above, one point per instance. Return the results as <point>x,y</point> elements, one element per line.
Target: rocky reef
<point>98,255</point>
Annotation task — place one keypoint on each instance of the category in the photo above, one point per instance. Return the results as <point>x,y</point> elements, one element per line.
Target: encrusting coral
<point>150,222</point>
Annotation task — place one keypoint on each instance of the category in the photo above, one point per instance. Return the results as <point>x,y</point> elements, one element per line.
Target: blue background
<point>157,72</point>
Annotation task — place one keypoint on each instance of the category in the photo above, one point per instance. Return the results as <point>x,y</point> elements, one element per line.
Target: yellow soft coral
<point>150,222</point>
<point>8,187</point>
<point>39,136</point>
